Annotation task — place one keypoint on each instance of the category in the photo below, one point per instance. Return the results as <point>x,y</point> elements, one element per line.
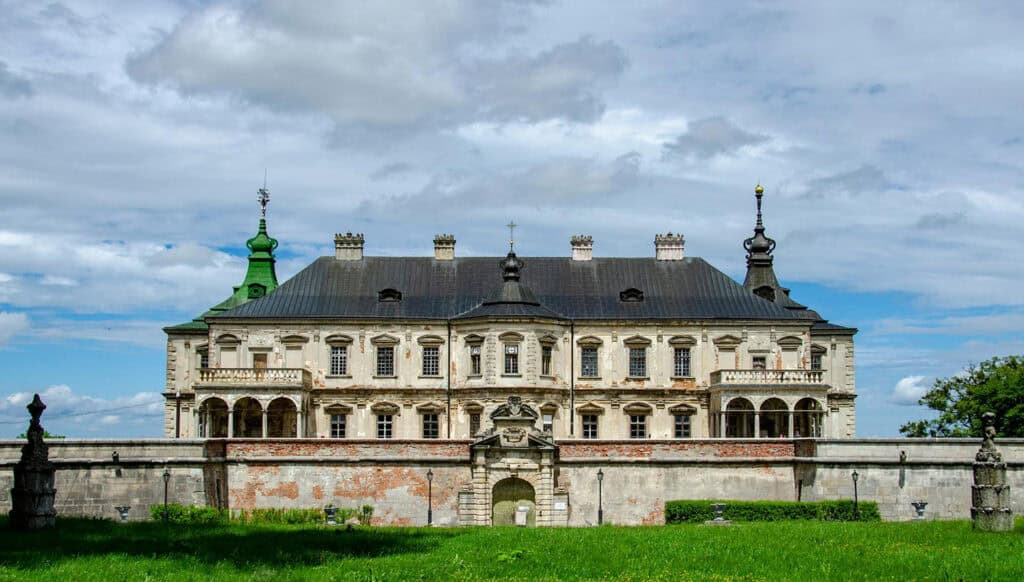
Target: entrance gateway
<point>514,480</point>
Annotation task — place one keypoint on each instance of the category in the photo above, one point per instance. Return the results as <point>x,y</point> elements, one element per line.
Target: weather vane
<point>263,196</point>
<point>511,234</point>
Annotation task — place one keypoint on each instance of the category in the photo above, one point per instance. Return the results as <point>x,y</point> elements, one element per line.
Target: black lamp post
<point>600,501</point>
<point>856,510</point>
<point>167,480</point>
<point>430,497</point>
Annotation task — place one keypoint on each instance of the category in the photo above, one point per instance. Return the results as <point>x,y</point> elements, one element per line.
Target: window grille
<point>682,362</point>
<point>474,360</point>
<point>431,426</point>
<point>682,426</point>
<point>590,426</point>
<point>760,363</point>
<point>474,424</point>
<point>638,362</point>
<point>588,362</point>
<point>637,426</point>
<point>548,422</point>
<point>204,358</point>
<point>545,360</point>
<point>511,359</point>
<point>339,360</point>
<point>338,426</point>
<point>431,359</point>
<point>815,361</point>
<point>386,361</point>
<point>384,426</point>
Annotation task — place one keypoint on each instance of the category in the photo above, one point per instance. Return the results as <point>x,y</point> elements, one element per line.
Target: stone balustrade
<point>771,377</point>
<point>256,377</point>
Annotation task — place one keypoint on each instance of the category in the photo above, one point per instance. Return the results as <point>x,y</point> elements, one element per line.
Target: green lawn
<point>99,550</point>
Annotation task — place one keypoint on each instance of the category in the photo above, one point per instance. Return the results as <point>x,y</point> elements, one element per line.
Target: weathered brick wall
<point>677,449</point>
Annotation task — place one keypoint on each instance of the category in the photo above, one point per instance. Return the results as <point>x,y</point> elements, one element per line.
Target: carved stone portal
<point>990,495</point>
<point>33,491</point>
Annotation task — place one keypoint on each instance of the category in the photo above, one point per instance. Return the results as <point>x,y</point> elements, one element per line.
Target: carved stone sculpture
<point>33,491</point>
<point>990,495</point>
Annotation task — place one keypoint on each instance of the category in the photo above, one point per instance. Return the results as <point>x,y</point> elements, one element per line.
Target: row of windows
<point>432,361</point>
<point>431,426</point>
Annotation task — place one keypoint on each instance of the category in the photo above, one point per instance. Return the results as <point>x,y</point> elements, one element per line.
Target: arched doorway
<point>508,495</point>
<point>808,417</point>
<point>739,418</point>
<point>213,419</point>
<point>774,419</point>
<point>248,415</point>
<point>282,418</point>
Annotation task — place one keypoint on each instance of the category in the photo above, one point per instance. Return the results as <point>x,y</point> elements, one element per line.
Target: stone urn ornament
<point>719,509</point>
<point>990,495</point>
<point>919,508</point>
<point>33,492</point>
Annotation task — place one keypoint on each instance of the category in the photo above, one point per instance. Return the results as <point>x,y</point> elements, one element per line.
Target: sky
<point>134,135</point>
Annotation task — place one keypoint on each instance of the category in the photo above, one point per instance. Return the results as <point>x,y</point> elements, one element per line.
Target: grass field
<point>99,550</point>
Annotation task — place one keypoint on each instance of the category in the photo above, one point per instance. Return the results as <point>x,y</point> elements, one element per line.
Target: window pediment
<point>816,349</point>
<point>473,338</point>
<point>589,341</point>
<point>511,336</point>
<point>338,409</point>
<point>790,342</point>
<point>473,408</point>
<point>638,408</point>
<point>430,340</point>
<point>430,408</point>
<point>636,342</point>
<point>384,340</point>
<point>684,409</point>
<point>547,340</point>
<point>549,408</point>
<point>728,342</point>
<point>589,408</point>
<point>294,339</point>
<point>338,339</point>
<point>228,338</point>
<point>385,408</point>
<point>682,341</point>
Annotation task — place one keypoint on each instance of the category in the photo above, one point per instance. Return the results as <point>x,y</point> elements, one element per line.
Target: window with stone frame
<point>588,362</point>
<point>548,422</point>
<point>474,424</point>
<point>816,360</point>
<point>474,360</point>
<point>590,426</point>
<point>338,426</point>
<point>203,358</point>
<point>339,360</point>
<point>545,360</point>
<point>759,362</point>
<point>431,361</point>
<point>638,362</point>
<point>681,363</point>
<point>385,425</point>
<point>385,360</point>
<point>638,426</point>
<point>512,359</point>
<point>259,361</point>
<point>431,426</point>
<point>682,426</point>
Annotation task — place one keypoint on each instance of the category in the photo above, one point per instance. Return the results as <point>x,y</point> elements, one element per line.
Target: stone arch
<point>248,418</point>
<point>774,422</point>
<point>282,418</point>
<point>213,418</point>
<point>739,418</point>
<point>509,494</point>
<point>808,418</point>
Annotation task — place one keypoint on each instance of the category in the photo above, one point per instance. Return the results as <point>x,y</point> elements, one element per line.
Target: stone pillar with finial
<point>33,491</point>
<point>990,495</point>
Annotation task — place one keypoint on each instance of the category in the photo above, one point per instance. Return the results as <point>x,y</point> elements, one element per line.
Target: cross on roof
<point>511,234</point>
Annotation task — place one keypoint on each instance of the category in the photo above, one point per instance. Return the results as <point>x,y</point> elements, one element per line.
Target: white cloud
<point>909,390</point>
<point>12,324</point>
<point>76,415</point>
<point>713,136</point>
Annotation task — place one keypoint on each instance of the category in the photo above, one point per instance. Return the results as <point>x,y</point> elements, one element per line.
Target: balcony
<point>768,378</point>
<point>255,377</point>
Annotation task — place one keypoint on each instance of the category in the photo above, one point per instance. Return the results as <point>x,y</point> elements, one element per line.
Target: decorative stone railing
<point>256,376</point>
<point>772,377</point>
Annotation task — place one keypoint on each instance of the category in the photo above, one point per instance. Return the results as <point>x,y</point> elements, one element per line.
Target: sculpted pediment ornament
<point>728,342</point>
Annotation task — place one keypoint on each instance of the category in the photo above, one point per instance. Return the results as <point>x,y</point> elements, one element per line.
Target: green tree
<point>46,435</point>
<point>996,385</point>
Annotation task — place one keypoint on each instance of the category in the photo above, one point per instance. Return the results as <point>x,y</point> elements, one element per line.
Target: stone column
<point>990,495</point>
<point>264,434</point>
<point>300,427</point>
<point>790,424</point>
<point>721,425</point>
<point>33,491</point>
<point>757,425</point>
<point>231,422</point>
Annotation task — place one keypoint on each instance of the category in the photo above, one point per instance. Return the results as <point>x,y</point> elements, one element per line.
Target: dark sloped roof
<point>439,289</point>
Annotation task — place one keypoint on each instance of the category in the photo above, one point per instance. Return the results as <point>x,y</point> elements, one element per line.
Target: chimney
<point>582,247</point>
<point>348,246</point>
<point>668,247</point>
<point>444,247</point>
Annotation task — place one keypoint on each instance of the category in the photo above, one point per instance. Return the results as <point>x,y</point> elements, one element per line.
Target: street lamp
<point>430,497</point>
<point>600,501</point>
<point>856,510</point>
<point>167,479</point>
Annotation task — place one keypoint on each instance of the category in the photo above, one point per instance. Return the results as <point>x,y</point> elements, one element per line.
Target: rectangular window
<point>339,360</point>
<point>637,362</point>
<point>545,360</point>
<point>637,426</point>
<point>511,359</point>
<point>431,426</point>
<point>204,359</point>
<point>548,422</point>
<point>759,362</point>
<point>259,361</point>
<point>474,424</point>
<point>338,426</point>
<point>384,426</point>
<point>681,369</point>
<point>474,360</point>
<point>815,361</point>
<point>385,361</point>
<point>588,362</point>
<point>682,426</point>
<point>431,359</point>
<point>590,426</point>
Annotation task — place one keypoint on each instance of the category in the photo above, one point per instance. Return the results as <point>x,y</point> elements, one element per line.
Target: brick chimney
<point>668,247</point>
<point>582,247</point>
<point>348,246</point>
<point>444,247</point>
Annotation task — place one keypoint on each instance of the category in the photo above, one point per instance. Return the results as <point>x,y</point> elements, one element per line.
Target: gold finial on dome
<point>759,189</point>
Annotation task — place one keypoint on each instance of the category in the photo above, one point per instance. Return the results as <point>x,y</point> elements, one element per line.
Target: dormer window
<point>389,295</point>
<point>631,295</point>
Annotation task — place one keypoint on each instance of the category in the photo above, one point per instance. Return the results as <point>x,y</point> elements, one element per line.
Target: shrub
<point>699,511</point>
<point>187,514</point>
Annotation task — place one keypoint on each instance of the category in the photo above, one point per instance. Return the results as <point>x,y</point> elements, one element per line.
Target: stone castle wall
<point>639,477</point>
